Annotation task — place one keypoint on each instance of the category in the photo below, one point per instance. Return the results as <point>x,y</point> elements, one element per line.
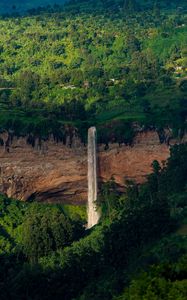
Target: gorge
<point>53,172</point>
<point>93,149</point>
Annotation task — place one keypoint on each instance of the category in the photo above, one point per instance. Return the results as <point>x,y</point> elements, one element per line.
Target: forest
<point>118,65</point>
<point>109,66</point>
<point>137,251</point>
<point>20,6</point>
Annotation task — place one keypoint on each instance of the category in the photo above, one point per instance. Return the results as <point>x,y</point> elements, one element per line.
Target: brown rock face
<point>132,162</point>
<point>53,172</point>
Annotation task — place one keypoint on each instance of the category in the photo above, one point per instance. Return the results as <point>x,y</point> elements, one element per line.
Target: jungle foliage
<point>140,243</point>
<point>107,63</point>
<point>116,65</point>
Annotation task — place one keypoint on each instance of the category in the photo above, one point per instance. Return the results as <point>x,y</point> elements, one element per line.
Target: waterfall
<point>93,214</point>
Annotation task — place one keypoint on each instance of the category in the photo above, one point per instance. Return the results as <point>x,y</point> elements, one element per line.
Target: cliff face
<point>53,172</point>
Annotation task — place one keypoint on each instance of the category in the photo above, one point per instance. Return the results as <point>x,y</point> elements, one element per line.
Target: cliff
<point>53,172</point>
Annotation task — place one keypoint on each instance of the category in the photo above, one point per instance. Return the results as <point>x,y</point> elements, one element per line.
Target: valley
<point>93,150</point>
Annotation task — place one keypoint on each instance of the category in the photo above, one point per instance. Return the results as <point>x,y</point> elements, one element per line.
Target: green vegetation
<point>92,62</point>
<point>16,6</point>
<point>140,243</point>
<point>37,229</point>
<point>161,282</point>
<point>121,66</point>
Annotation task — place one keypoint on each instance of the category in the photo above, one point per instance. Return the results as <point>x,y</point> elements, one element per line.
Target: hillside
<point>121,66</point>
<point>84,68</point>
<point>137,251</point>
<point>14,6</point>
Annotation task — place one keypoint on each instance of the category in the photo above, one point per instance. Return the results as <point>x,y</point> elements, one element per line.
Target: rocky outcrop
<point>132,162</point>
<point>48,171</point>
<point>53,172</point>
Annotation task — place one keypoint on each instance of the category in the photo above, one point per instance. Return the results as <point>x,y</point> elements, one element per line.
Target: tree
<point>44,231</point>
<point>130,5</point>
<point>27,84</point>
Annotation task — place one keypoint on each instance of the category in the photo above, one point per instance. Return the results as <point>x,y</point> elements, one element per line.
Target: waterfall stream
<point>93,214</point>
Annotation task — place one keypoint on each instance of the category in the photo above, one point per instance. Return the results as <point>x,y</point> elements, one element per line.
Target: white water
<point>93,214</point>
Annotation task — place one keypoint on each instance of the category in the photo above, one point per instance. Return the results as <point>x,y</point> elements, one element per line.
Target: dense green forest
<point>20,6</point>
<point>107,63</point>
<point>137,251</point>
